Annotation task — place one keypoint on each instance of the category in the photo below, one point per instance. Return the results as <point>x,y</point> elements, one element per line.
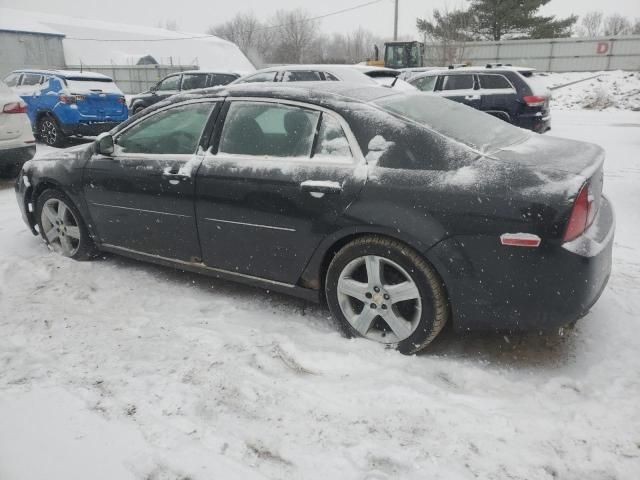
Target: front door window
<point>174,131</point>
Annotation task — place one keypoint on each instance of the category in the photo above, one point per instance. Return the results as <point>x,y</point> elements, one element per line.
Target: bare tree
<point>591,24</point>
<point>295,34</point>
<point>636,27</point>
<point>616,24</point>
<point>246,31</point>
<point>445,35</point>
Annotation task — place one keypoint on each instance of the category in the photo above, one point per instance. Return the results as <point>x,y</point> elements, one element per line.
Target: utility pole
<point>395,24</point>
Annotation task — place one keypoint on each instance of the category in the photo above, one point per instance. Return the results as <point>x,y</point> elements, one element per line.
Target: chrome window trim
<point>357,157</point>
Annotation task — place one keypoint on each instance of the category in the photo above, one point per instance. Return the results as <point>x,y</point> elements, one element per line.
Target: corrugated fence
<point>134,78</point>
<point>552,55</point>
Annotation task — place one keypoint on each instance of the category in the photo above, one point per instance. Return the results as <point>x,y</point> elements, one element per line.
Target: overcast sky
<point>197,15</point>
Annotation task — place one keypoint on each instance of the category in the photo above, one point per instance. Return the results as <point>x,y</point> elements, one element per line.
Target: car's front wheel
<point>381,289</point>
<point>50,132</point>
<point>62,227</point>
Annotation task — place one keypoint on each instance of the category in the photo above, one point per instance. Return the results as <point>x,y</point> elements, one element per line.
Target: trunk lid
<point>100,98</point>
<point>557,167</point>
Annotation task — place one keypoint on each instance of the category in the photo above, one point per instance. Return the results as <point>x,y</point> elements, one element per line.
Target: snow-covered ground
<point>600,91</point>
<point>116,369</point>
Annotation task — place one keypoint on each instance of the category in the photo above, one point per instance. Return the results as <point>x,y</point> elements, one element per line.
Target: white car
<point>17,144</point>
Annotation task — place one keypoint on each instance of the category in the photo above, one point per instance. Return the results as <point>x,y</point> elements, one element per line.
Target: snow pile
<point>606,90</point>
<point>116,369</point>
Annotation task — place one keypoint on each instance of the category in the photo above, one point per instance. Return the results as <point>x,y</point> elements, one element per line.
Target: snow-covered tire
<point>62,227</point>
<point>354,295</point>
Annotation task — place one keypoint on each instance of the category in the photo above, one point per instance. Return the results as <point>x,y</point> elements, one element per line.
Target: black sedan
<point>177,83</point>
<point>403,210</point>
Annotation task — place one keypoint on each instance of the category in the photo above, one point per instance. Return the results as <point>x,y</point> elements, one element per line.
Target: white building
<point>32,39</point>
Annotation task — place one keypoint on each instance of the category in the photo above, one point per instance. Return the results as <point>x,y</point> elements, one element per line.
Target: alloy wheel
<point>61,227</point>
<point>48,132</point>
<point>379,299</point>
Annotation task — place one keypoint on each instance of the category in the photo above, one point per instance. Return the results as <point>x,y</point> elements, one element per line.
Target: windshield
<point>402,56</point>
<point>459,122</point>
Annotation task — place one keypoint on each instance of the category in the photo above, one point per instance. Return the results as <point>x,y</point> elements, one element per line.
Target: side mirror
<point>104,144</point>
<point>153,88</point>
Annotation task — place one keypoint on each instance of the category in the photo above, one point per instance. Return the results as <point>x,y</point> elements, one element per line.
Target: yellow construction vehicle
<point>399,55</point>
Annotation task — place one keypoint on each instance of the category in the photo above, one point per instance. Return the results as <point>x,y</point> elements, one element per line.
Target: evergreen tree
<point>495,19</point>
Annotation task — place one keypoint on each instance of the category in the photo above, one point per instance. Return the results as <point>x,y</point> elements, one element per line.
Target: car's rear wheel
<point>138,109</point>
<point>62,227</point>
<point>50,132</point>
<point>382,290</point>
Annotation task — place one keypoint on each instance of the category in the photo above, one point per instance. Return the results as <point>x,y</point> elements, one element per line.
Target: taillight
<point>534,100</point>
<point>15,107</point>
<point>122,100</point>
<point>68,99</point>
<point>582,214</point>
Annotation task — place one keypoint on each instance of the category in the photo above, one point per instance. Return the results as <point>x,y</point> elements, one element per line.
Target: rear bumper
<point>499,288</point>
<point>15,157</point>
<point>537,122</point>
<point>88,129</point>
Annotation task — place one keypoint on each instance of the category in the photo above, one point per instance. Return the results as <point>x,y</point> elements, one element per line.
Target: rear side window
<point>193,81</point>
<point>329,76</point>
<point>261,77</point>
<point>216,79</point>
<point>12,80</point>
<point>268,129</point>
<point>494,82</point>
<point>332,143</point>
<point>301,76</point>
<point>30,79</point>
<point>175,131</point>
<point>425,84</point>
<point>457,82</point>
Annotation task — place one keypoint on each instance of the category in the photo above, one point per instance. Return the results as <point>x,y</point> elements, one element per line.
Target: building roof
<point>94,42</point>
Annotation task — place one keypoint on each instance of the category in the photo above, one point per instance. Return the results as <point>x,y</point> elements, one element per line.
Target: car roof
<point>320,93</point>
<point>346,73</point>
<point>64,73</point>
<point>219,72</point>
<point>474,69</point>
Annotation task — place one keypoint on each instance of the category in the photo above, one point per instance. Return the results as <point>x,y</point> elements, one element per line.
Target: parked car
<point>318,73</point>
<point>509,93</point>
<point>17,144</point>
<point>403,210</point>
<point>179,82</point>
<point>63,103</point>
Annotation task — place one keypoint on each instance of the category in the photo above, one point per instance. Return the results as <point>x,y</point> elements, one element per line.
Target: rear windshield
<point>454,120</point>
<point>88,85</point>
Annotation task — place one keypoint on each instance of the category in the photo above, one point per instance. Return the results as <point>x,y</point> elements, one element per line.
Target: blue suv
<point>65,103</point>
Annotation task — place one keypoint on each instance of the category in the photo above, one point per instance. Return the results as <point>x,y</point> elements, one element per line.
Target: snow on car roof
<point>67,73</point>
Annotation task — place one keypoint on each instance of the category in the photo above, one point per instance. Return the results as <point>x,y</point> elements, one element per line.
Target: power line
<point>269,27</point>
